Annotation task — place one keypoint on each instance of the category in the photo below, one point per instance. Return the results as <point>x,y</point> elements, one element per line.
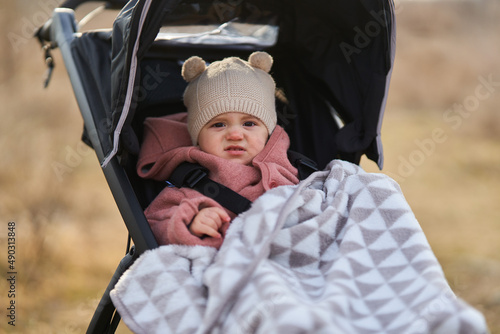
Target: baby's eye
<point>218,125</point>
<point>249,123</point>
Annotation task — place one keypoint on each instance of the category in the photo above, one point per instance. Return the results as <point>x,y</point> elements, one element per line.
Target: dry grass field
<point>441,136</point>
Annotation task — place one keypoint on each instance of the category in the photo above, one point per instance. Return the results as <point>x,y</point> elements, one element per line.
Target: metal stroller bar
<point>106,319</point>
<point>63,24</point>
<point>62,31</point>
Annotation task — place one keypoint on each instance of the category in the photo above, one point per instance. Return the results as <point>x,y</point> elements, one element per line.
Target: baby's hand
<point>208,222</point>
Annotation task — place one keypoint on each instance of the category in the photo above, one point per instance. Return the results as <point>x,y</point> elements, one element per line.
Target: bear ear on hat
<point>192,68</point>
<point>261,60</point>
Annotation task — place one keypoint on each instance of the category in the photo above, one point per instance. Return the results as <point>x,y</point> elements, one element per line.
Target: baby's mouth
<point>234,149</point>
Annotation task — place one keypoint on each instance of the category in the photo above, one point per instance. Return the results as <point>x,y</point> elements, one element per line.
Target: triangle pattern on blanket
<point>175,318</point>
<point>391,216</point>
<point>361,214</point>
<point>301,233</point>
<point>379,194</point>
<point>325,242</point>
<point>155,325</point>
<point>299,259</point>
<point>277,249</point>
<point>371,235</point>
<point>362,265</point>
<point>379,255</point>
<point>386,319</point>
<point>412,251</point>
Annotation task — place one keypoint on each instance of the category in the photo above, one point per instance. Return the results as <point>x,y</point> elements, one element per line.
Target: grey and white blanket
<point>341,252</point>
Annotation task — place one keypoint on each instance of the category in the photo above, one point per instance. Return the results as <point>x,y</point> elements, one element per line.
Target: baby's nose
<point>234,133</point>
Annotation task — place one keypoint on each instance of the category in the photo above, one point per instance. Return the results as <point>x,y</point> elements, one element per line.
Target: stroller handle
<point>43,33</point>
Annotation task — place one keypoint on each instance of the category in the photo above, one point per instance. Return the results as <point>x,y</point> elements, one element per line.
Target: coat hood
<point>167,143</point>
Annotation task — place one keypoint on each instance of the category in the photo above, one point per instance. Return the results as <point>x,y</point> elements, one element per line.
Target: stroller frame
<point>61,31</point>
<point>63,28</point>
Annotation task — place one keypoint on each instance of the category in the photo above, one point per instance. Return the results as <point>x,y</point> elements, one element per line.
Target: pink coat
<point>167,143</point>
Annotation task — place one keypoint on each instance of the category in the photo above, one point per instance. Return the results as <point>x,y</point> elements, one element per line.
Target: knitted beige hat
<point>229,85</point>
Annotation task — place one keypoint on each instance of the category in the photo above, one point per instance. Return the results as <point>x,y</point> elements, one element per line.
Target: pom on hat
<point>261,60</point>
<point>192,68</point>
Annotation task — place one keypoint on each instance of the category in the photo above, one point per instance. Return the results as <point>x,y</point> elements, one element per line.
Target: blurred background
<point>441,135</point>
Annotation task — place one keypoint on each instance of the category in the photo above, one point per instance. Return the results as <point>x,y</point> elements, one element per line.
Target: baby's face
<point>234,136</point>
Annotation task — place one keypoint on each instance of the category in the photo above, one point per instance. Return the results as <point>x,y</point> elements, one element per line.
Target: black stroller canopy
<point>332,61</point>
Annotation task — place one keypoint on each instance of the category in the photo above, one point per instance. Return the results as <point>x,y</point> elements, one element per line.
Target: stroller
<point>333,61</point>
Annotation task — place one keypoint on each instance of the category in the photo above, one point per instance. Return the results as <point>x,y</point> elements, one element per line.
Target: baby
<point>236,137</point>
<point>230,130</point>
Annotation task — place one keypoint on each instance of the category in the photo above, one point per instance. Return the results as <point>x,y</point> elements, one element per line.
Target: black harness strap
<point>195,176</point>
<point>304,165</point>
